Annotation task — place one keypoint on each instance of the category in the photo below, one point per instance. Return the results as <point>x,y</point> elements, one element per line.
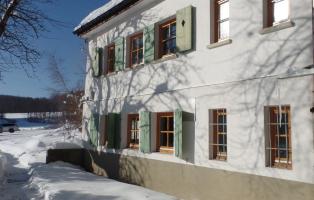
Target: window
<point>221,20</point>
<point>277,11</point>
<point>218,134</point>
<point>110,58</point>
<point>136,49</point>
<point>165,132</point>
<point>167,38</point>
<point>278,137</point>
<point>133,131</point>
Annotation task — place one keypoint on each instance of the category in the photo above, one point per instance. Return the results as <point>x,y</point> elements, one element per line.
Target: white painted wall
<point>213,78</point>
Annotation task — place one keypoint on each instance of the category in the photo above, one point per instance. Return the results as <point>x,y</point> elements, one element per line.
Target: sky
<point>59,41</point>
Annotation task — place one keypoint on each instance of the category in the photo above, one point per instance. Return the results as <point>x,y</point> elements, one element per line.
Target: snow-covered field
<point>24,174</point>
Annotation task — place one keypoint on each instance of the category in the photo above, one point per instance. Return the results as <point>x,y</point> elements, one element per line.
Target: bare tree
<point>68,97</point>
<point>21,21</point>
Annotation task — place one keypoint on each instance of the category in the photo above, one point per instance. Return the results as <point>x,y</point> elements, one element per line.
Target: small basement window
<point>218,134</point>
<point>167,38</point>
<point>133,131</point>
<point>278,137</point>
<point>165,132</point>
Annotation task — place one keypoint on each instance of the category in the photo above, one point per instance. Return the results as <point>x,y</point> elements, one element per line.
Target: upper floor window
<point>167,38</point>
<point>133,131</point>
<point>278,137</point>
<point>110,58</point>
<point>277,11</point>
<point>136,49</point>
<point>218,134</point>
<point>221,20</point>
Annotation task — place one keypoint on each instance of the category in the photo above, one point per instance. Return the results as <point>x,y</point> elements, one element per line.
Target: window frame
<point>131,38</point>
<point>159,148</point>
<point>132,117</point>
<point>214,133</point>
<point>270,14</point>
<point>218,21</point>
<point>168,23</point>
<point>110,68</point>
<point>273,137</point>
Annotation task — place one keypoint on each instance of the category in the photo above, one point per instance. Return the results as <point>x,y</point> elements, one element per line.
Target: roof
<point>102,14</point>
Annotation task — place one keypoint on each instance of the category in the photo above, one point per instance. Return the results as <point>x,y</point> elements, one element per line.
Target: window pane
<point>170,140</point>
<point>134,58</point>
<point>165,33</point>
<point>281,10</point>
<point>163,139</point>
<point>282,142</point>
<point>140,42</point>
<point>173,30</point>
<point>163,124</point>
<point>283,129</point>
<point>224,11</point>
<point>172,45</point>
<point>140,56</point>
<point>171,124</point>
<point>224,30</point>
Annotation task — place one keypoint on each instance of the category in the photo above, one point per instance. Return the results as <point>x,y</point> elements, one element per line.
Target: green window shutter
<point>102,130</point>
<point>94,129</point>
<point>184,26</point>
<point>178,132</point>
<point>117,132</point>
<point>145,132</point>
<point>96,63</point>
<point>110,129</point>
<point>149,37</point>
<point>113,130</point>
<point>119,54</point>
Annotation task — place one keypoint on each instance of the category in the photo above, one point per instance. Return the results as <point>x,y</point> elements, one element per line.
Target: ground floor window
<point>165,132</point>
<point>218,134</point>
<point>278,137</point>
<point>133,131</point>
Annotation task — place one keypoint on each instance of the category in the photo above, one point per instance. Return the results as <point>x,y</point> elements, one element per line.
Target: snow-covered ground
<point>24,174</point>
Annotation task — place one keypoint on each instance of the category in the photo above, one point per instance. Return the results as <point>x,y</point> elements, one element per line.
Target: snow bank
<point>3,166</point>
<point>59,181</point>
<point>96,13</point>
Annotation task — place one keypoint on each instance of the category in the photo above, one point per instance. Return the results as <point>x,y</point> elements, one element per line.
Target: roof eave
<point>124,5</point>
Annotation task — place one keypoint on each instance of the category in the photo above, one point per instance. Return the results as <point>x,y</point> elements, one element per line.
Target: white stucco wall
<point>215,78</point>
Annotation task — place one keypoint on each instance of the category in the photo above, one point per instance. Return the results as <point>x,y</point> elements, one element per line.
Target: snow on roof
<point>96,13</point>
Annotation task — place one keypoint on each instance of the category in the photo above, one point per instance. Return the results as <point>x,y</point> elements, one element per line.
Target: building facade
<point>222,87</point>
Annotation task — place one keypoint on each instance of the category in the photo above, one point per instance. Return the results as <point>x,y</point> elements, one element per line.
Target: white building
<point>223,89</point>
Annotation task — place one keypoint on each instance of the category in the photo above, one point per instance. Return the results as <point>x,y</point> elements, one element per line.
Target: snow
<point>3,166</point>
<point>24,174</point>
<point>96,13</point>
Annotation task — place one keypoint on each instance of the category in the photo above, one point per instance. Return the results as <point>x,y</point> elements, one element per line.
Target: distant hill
<point>15,104</point>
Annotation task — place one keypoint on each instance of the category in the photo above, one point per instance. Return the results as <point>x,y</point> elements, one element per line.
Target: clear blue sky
<point>59,41</point>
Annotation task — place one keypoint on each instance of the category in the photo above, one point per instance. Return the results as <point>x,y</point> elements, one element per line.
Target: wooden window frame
<point>217,20</point>
<point>270,13</point>
<point>273,148</point>
<point>161,40</point>
<point>215,133</point>
<point>164,149</point>
<point>131,50</point>
<point>129,133</point>
<point>110,60</point>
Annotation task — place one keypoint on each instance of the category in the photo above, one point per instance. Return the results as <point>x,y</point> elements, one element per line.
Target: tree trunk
<point>6,15</point>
